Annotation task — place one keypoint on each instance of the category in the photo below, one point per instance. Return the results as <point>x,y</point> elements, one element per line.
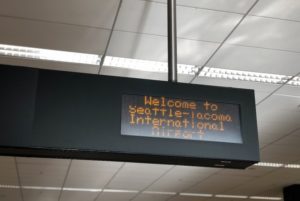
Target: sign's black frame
<point>70,115</point>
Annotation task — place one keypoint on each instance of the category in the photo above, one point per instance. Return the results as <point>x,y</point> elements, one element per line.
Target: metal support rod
<point>172,42</point>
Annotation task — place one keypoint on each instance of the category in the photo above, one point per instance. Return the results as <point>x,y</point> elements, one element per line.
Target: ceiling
<point>249,35</point>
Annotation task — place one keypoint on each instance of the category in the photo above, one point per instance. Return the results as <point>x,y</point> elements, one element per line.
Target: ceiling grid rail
<point>223,42</point>
<point>65,180</point>
<point>153,182</point>
<point>52,22</point>
<point>110,180</point>
<point>195,184</point>
<point>109,37</point>
<point>195,7</point>
<point>264,48</point>
<point>19,179</point>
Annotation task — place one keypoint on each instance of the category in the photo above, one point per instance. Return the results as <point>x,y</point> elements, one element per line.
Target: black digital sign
<point>47,113</point>
<point>164,117</point>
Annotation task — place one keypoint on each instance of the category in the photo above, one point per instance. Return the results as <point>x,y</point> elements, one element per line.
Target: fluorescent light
<point>277,165</point>
<point>264,198</point>
<point>41,188</point>
<point>143,65</point>
<point>146,65</point>
<point>9,186</point>
<point>50,188</point>
<point>248,76</point>
<point>82,189</point>
<point>266,164</point>
<point>46,54</point>
<point>294,166</point>
<point>119,191</point>
<point>159,193</point>
<point>196,194</point>
<point>295,81</point>
<point>232,196</point>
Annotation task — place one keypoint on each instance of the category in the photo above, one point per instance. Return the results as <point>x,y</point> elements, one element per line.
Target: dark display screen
<point>165,117</point>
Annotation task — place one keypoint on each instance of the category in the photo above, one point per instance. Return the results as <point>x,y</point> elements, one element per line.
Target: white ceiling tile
<point>111,71</point>
<point>219,184</point>
<point>193,52</point>
<point>98,13</point>
<point>267,33</point>
<point>266,137</point>
<point>135,176</point>
<point>197,24</point>
<point>280,153</point>
<point>271,131</point>
<point>274,192</point>
<point>43,64</point>
<point>296,133</point>
<point>290,140</point>
<point>276,180</point>
<point>270,184</point>
<point>284,175</point>
<point>252,171</point>
<point>91,174</point>
<point>273,128</point>
<point>277,116</point>
<point>254,188</point>
<point>205,25</point>
<point>42,172</point>
<point>108,196</point>
<point>281,109</point>
<point>283,9</point>
<point>237,6</point>
<point>154,48</point>
<point>10,195</point>
<point>40,195</point>
<point>137,46</point>
<point>259,96</point>
<point>8,173</point>
<point>256,60</point>
<point>185,78</point>
<point>285,103</point>
<point>280,149</point>
<point>181,177</point>
<point>78,196</point>
<point>293,91</point>
<point>143,17</point>
<point>151,197</point>
<point>52,36</point>
<point>287,124</point>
